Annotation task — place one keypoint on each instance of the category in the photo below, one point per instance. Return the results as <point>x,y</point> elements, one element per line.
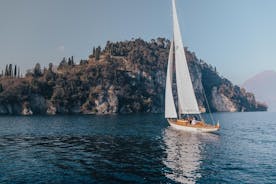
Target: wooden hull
<point>186,126</point>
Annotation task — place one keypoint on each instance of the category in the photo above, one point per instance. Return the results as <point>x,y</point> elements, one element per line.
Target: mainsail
<point>186,95</point>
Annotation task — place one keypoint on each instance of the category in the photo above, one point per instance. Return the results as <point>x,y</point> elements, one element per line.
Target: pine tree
<point>37,70</point>
<point>50,67</point>
<point>99,49</point>
<point>18,71</point>
<point>111,49</point>
<point>72,59</point>
<point>10,70</point>
<point>98,53</point>
<point>97,57</point>
<point>15,71</point>
<point>94,52</point>
<point>6,71</point>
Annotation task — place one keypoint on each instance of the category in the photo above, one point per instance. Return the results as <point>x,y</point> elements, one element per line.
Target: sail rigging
<point>185,91</point>
<point>187,103</point>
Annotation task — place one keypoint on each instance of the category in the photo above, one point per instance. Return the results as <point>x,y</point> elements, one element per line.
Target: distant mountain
<point>264,88</point>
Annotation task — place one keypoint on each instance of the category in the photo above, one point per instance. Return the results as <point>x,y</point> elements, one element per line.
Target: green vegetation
<point>11,71</point>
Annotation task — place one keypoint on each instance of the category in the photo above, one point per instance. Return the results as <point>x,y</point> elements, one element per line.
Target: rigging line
<point>208,107</point>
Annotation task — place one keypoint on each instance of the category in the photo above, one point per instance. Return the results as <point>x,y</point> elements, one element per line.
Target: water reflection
<point>184,154</point>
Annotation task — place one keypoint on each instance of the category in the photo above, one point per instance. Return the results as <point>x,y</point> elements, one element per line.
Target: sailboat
<point>187,104</point>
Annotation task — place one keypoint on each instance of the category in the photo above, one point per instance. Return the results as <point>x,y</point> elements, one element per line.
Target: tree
<point>6,71</point>
<point>50,67</point>
<point>15,71</point>
<point>63,63</point>
<point>94,52</point>
<point>71,61</point>
<point>83,62</point>
<point>10,70</point>
<point>37,70</point>
<point>18,75</point>
<point>98,53</point>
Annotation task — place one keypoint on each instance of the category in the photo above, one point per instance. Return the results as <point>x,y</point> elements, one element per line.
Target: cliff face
<point>125,77</point>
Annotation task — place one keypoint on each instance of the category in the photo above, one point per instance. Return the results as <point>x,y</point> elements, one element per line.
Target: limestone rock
<point>51,109</point>
<point>221,102</point>
<point>27,112</point>
<point>26,109</point>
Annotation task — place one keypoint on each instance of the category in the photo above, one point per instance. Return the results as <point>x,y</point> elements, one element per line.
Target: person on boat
<point>194,121</point>
<point>190,119</point>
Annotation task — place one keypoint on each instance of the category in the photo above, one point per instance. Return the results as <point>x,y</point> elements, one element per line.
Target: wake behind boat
<point>187,103</point>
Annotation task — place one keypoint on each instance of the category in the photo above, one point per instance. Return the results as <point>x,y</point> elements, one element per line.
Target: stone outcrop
<point>51,109</point>
<point>221,102</point>
<point>124,77</point>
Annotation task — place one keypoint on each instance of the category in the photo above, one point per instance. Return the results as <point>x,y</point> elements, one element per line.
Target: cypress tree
<point>50,67</point>
<point>71,61</point>
<point>94,52</point>
<point>6,71</point>
<point>111,49</point>
<point>15,71</point>
<point>99,49</point>
<point>18,71</point>
<point>98,53</point>
<point>10,70</point>
<point>37,70</point>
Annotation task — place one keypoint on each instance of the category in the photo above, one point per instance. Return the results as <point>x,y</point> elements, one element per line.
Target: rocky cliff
<point>124,77</point>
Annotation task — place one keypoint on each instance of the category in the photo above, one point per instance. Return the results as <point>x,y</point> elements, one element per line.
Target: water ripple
<point>136,149</point>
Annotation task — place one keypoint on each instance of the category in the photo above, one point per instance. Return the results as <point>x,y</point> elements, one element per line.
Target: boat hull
<point>191,128</point>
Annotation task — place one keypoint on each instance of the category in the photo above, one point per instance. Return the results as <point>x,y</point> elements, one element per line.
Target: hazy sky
<point>236,36</point>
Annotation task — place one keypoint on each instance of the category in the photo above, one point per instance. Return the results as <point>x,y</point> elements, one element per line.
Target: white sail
<point>170,111</point>
<point>186,96</point>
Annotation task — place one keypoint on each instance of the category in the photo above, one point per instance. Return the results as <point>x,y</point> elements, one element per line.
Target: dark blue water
<point>136,149</point>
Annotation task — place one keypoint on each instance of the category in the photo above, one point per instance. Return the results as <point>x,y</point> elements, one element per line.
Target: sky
<point>238,37</point>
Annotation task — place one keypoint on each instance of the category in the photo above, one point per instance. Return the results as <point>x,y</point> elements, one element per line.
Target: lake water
<point>136,149</point>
